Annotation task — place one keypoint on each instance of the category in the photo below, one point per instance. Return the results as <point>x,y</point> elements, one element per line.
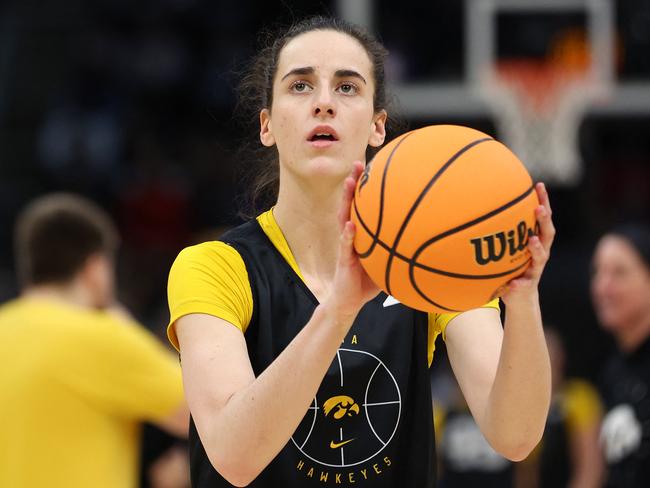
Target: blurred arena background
<point>130,103</point>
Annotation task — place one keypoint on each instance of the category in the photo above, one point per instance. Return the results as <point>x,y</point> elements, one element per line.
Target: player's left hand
<point>525,286</point>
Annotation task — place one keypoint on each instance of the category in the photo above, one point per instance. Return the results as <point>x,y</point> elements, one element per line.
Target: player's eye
<point>300,87</point>
<point>348,88</point>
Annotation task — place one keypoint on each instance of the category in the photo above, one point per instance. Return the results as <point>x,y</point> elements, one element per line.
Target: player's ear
<point>378,129</point>
<point>266,129</point>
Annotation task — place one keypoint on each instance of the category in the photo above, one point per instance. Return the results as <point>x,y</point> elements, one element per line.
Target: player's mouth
<point>322,136</point>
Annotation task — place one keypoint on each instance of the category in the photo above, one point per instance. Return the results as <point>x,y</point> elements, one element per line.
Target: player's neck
<point>631,337</point>
<point>70,293</point>
<point>309,222</point>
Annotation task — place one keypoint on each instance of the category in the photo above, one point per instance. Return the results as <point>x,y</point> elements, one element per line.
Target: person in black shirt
<point>298,371</point>
<point>465,459</point>
<point>621,295</point>
<point>569,455</point>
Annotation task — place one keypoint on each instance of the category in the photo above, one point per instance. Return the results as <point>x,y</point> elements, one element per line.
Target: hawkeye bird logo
<point>343,404</point>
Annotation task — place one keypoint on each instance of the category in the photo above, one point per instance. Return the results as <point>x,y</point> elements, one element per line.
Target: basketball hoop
<point>539,105</point>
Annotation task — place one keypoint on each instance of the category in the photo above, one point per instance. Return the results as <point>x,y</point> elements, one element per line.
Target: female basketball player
<point>620,289</point>
<point>297,370</point>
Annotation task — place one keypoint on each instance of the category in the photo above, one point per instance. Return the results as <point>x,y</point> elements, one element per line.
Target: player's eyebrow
<point>341,73</point>
<point>349,73</point>
<point>306,70</point>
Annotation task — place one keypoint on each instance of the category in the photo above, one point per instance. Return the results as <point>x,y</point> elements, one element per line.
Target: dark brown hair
<point>56,234</point>
<point>638,235</point>
<point>256,93</point>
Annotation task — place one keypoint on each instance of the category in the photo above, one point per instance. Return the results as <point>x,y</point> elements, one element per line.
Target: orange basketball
<point>443,217</point>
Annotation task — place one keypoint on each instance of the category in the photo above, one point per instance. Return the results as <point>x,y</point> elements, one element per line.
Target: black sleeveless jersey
<point>371,421</point>
<point>625,382</point>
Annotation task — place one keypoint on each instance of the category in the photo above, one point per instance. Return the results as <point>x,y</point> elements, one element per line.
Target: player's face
<point>620,285</point>
<point>322,117</point>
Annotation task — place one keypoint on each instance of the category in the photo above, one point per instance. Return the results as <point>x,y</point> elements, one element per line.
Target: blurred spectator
<point>171,470</point>
<point>79,375</point>
<point>620,290</point>
<point>569,454</point>
<point>164,459</point>
<point>465,459</point>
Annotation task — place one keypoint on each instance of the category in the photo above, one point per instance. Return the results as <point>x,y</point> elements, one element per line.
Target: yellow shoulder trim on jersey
<point>209,278</point>
<point>438,325</point>
<point>272,230</point>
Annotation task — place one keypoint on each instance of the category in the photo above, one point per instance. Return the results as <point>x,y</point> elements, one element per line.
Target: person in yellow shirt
<point>79,374</point>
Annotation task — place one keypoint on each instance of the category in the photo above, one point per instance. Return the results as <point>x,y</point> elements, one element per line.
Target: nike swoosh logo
<point>336,445</point>
<point>390,301</point>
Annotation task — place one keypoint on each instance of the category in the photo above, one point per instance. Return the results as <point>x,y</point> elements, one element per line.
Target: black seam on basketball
<point>383,184</point>
<point>375,236</point>
<point>465,276</point>
<point>435,304</point>
<point>392,251</point>
<point>367,229</point>
<point>413,263</point>
<point>453,275</point>
<point>477,220</point>
<point>364,255</point>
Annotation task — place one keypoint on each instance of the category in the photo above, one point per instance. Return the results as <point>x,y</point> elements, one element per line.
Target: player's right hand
<point>352,287</point>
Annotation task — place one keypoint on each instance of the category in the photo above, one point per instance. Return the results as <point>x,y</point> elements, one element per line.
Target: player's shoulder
<point>206,252</point>
<point>207,262</point>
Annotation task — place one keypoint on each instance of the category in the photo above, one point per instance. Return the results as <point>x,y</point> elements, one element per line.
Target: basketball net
<point>539,104</point>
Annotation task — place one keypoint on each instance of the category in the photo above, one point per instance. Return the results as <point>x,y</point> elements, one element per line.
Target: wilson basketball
<point>443,217</point>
